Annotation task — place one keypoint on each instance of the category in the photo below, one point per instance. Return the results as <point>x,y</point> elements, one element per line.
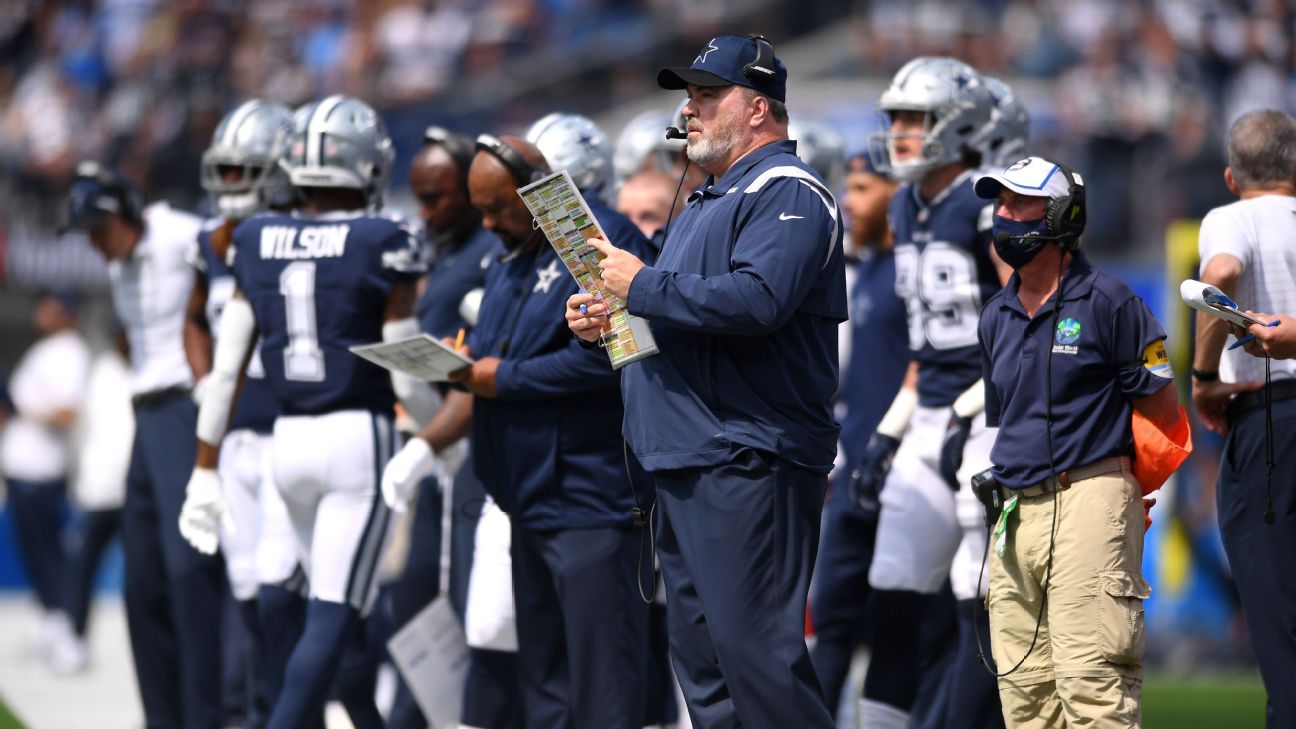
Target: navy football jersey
<point>318,285</point>
<point>945,275</point>
<point>257,406</point>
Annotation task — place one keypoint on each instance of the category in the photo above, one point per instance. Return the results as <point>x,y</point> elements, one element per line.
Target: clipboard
<point>1209,299</point>
<point>568,223</point>
<point>421,357</point>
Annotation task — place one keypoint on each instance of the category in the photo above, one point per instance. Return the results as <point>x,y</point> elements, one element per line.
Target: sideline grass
<point>7,719</point>
<point>1231,701</point>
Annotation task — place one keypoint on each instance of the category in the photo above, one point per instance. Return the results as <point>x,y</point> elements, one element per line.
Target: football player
<point>313,284</point>
<point>929,520</point>
<point>240,169</point>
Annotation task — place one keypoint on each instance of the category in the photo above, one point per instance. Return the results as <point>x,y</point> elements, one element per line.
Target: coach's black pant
<point>174,595</point>
<point>736,543</point>
<point>1263,556</point>
<point>582,628</point>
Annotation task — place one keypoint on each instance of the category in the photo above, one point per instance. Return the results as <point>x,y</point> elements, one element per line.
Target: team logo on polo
<point>1068,332</point>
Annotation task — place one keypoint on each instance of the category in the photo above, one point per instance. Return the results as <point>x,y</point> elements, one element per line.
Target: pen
<point>1249,337</point>
<point>459,339</point>
<point>584,310</point>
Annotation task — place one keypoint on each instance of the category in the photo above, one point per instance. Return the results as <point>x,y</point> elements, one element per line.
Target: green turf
<point>1227,702</point>
<point>7,719</point>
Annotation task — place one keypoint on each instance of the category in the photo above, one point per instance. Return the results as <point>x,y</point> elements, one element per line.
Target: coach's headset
<point>524,173</point>
<point>1064,223</point>
<point>459,148</point>
<point>128,204</point>
<point>1064,219</point>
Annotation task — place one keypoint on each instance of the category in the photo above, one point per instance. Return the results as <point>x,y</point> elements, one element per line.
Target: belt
<point>1072,476</point>
<point>155,397</point>
<point>1279,390</point>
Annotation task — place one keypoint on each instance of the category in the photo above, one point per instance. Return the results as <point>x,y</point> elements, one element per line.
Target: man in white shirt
<point>173,594</point>
<point>46,388</point>
<point>1248,250</point>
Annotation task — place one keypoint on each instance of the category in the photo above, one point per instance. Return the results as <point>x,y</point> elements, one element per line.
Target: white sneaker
<point>69,656</point>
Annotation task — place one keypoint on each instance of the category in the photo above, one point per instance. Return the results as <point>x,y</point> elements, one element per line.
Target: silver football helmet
<point>250,141</point>
<point>576,144</point>
<point>822,147</point>
<point>637,140</point>
<point>955,101</point>
<point>1004,139</point>
<point>340,141</point>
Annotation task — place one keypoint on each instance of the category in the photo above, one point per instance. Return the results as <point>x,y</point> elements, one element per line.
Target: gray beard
<point>714,145</point>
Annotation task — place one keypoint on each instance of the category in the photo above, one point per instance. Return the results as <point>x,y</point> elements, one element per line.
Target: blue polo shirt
<point>546,447</point>
<point>1108,351</point>
<point>744,303</point>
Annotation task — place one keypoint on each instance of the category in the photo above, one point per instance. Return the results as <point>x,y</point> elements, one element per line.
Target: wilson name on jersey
<point>318,285</point>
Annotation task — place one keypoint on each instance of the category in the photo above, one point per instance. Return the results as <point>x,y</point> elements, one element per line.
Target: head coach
<point>733,416</point>
<point>1068,354</point>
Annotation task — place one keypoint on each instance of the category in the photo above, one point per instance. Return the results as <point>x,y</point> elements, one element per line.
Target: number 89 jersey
<point>944,273</point>
<point>318,285</point>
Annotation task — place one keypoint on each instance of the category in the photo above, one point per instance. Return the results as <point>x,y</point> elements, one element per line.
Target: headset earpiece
<point>458,147</point>
<point>1064,217</point>
<point>523,171</point>
<point>761,69</point>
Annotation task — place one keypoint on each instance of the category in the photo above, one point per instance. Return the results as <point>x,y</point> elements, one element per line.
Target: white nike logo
<point>785,216</point>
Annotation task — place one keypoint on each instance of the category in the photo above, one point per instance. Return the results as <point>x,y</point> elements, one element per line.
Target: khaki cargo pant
<point>1085,670</point>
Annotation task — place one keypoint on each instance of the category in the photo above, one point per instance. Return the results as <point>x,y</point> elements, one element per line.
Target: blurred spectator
<point>104,435</point>
<point>646,198</point>
<point>47,388</point>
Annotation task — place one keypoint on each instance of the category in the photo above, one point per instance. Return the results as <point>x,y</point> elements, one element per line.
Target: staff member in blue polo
<point>1068,352</point>
<point>733,417</point>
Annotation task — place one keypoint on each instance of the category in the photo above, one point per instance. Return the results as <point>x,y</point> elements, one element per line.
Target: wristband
<point>1203,376</point>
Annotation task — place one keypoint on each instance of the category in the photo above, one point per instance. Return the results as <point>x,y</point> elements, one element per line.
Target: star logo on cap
<point>702,57</point>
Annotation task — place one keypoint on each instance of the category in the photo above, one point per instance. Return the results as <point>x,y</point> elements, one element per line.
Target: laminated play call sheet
<point>567,222</point>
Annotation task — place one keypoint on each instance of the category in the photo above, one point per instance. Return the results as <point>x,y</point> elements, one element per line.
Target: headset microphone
<point>676,133</point>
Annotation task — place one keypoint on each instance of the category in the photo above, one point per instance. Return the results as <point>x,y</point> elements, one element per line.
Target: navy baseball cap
<point>721,62</point>
<point>98,191</point>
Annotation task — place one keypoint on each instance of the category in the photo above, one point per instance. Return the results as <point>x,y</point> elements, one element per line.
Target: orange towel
<point>1158,453</point>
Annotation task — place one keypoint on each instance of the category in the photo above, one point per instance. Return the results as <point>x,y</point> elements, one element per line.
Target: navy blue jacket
<point>318,285</point>
<point>1108,350</point>
<point>546,448</point>
<point>454,271</point>
<point>744,302</point>
<point>257,406</point>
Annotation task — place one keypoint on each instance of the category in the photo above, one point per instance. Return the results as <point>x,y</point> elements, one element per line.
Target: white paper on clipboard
<point>1207,298</point>
<point>568,224</point>
<point>432,655</point>
<point>420,357</point>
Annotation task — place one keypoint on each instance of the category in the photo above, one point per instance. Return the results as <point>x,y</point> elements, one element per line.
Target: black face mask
<point>1017,241</point>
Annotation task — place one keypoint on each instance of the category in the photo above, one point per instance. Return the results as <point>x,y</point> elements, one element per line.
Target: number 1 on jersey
<point>303,359</point>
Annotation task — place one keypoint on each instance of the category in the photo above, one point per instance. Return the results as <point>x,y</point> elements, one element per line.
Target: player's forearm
<point>1221,271</point>
<point>233,349</point>
<point>197,331</point>
<point>452,422</point>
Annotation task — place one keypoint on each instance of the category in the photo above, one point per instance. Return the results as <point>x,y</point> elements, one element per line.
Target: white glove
<point>203,511</point>
<point>404,471</point>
